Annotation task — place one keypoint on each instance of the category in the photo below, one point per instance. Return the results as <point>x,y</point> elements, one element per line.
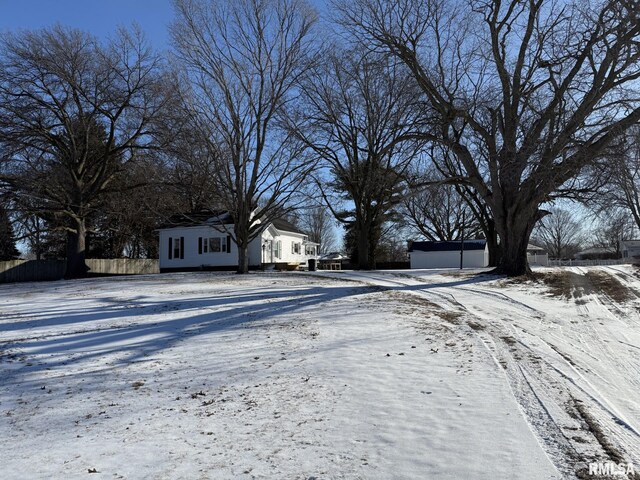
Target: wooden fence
<point>31,270</point>
<point>123,266</point>
<point>38,270</point>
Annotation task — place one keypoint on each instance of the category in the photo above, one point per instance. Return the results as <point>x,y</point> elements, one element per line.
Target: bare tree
<point>560,233</point>
<point>319,225</point>
<point>124,224</point>
<point>450,171</point>
<point>613,229</point>
<point>526,94</point>
<point>624,186</point>
<point>439,212</point>
<point>242,60</point>
<point>355,109</point>
<point>34,230</point>
<point>73,113</point>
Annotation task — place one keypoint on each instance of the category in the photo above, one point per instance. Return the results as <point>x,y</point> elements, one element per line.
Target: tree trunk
<point>76,267</point>
<point>241,229</point>
<point>493,247</point>
<point>363,248</point>
<point>514,238</point>
<point>372,254</point>
<point>243,258</point>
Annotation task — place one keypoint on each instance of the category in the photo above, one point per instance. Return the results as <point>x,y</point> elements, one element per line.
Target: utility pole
<point>462,242</point>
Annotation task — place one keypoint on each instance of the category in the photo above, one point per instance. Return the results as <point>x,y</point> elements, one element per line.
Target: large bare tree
<point>242,60</point>
<point>623,189</point>
<point>560,233</point>
<point>439,212</point>
<point>526,93</point>
<point>614,227</point>
<point>73,113</point>
<point>356,108</point>
<point>318,223</point>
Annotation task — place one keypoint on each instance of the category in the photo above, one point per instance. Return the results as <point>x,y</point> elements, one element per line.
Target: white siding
<point>472,259</point>
<point>539,259</point>
<point>257,253</point>
<point>287,240</point>
<point>630,249</point>
<point>193,259</point>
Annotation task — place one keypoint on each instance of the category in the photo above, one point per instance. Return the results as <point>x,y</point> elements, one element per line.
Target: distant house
<point>333,261</point>
<point>596,253</point>
<point>475,254</point>
<point>630,249</point>
<point>537,256</point>
<point>202,242</point>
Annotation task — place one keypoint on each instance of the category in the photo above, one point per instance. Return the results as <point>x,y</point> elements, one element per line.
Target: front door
<point>267,251</point>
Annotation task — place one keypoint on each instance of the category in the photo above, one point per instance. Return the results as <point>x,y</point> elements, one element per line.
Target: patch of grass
<point>573,285</point>
<point>476,326</point>
<point>449,316</point>
<point>610,286</point>
<point>564,284</point>
<point>610,450</point>
<point>427,306</point>
<point>534,277</point>
<point>509,340</point>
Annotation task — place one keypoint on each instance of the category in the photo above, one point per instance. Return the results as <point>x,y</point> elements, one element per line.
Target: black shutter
<point>170,248</point>
<point>181,247</point>
<point>228,243</point>
<point>199,245</point>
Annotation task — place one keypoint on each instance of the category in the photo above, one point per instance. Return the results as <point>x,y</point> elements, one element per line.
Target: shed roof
<point>453,246</point>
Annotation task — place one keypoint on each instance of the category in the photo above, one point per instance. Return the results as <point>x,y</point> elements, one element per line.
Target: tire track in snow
<point>528,395</point>
<point>545,429</point>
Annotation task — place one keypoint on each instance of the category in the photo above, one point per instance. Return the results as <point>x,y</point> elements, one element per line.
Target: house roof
<point>531,248</point>
<point>453,246</point>
<point>219,217</point>
<point>286,226</point>
<point>334,256</point>
<point>198,218</point>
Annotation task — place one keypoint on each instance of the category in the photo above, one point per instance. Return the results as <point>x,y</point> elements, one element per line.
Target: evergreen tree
<point>8,250</point>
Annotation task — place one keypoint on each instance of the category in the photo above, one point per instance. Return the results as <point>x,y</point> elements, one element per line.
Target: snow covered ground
<point>413,374</point>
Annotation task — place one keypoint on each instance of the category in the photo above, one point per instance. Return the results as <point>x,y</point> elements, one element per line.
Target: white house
<point>537,256</point>
<point>475,254</point>
<point>630,249</point>
<point>202,242</point>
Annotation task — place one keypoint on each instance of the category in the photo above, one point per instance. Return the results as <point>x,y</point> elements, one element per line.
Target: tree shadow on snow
<point>111,330</point>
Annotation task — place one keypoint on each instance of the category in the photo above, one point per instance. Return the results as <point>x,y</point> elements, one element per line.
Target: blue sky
<point>100,17</point>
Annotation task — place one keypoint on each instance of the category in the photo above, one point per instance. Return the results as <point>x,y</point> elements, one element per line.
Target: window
<point>176,247</point>
<point>295,248</point>
<point>310,250</point>
<point>277,249</point>
<point>213,245</point>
